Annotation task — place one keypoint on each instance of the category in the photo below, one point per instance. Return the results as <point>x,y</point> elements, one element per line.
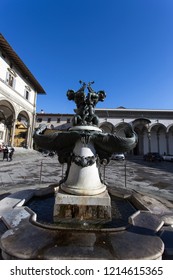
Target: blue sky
<point>125,46</point>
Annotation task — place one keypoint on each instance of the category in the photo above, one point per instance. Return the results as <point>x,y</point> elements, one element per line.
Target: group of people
<point>7,152</point>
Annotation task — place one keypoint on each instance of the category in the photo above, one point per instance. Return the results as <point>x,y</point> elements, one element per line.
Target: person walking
<point>10,153</point>
<point>5,152</point>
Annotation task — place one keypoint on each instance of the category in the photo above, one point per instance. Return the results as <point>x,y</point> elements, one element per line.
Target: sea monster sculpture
<point>85,112</point>
<point>85,128</point>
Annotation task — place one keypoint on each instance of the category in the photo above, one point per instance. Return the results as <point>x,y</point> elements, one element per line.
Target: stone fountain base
<point>24,237</point>
<point>31,241</point>
<point>82,209</point>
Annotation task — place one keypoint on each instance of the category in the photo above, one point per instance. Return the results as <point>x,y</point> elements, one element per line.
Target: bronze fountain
<point>87,215</point>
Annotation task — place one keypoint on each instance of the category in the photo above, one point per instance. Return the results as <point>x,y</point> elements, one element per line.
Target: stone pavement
<point>30,169</point>
<point>152,178</point>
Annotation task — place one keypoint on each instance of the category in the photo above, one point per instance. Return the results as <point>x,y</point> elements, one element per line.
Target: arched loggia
<point>21,130</point>
<point>7,117</point>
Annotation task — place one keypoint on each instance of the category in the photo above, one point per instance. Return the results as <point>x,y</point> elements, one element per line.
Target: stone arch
<point>23,116</point>
<point>140,126</point>
<point>169,139</point>
<point>169,128</point>
<point>142,122</point>
<point>7,118</point>
<point>157,134</point>
<point>21,129</point>
<point>7,110</point>
<point>156,126</point>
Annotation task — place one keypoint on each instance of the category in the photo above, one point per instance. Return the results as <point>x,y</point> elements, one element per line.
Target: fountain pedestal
<point>83,177</point>
<point>83,197</point>
<point>70,208</point>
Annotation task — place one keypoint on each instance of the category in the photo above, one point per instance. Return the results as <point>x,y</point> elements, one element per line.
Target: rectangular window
<point>27,94</point>
<point>11,75</point>
<point>10,80</point>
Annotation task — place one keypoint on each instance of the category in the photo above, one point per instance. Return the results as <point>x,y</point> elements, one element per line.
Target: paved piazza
<point>31,169</point>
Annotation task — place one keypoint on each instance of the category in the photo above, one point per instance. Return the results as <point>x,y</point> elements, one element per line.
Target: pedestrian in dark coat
<point>5,152</point>
<point>10,153</point>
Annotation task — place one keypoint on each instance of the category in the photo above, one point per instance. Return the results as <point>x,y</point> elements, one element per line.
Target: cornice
<point>15,59</point>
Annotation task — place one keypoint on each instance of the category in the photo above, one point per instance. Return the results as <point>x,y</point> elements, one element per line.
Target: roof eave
<point>11,54</point>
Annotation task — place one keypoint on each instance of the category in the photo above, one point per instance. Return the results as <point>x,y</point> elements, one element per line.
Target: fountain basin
<point>131,234</point>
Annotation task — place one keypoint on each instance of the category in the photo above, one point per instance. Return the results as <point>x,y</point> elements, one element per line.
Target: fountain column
<point>84,178</point>
<point>83,197</point>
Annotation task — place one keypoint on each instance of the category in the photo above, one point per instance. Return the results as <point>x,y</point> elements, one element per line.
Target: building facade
<point>153,127</point>
<point>18,94</point>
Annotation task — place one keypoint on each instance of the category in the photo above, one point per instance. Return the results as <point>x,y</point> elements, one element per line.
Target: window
<point>11,75</point>
<point>58,120</point>
<point>27,94</point>
<point>10,80</point>
<point>49,120</point>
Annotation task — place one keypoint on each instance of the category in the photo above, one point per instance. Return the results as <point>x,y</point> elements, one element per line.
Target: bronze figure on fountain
<point>85,112</point>
<point>85,132</point>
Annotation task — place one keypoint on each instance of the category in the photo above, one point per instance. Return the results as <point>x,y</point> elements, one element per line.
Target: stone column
<point>149,142</point>
<point>28,138</point>
<point>13,132</point>
<point>167,142</point>
<point>158,142</point>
